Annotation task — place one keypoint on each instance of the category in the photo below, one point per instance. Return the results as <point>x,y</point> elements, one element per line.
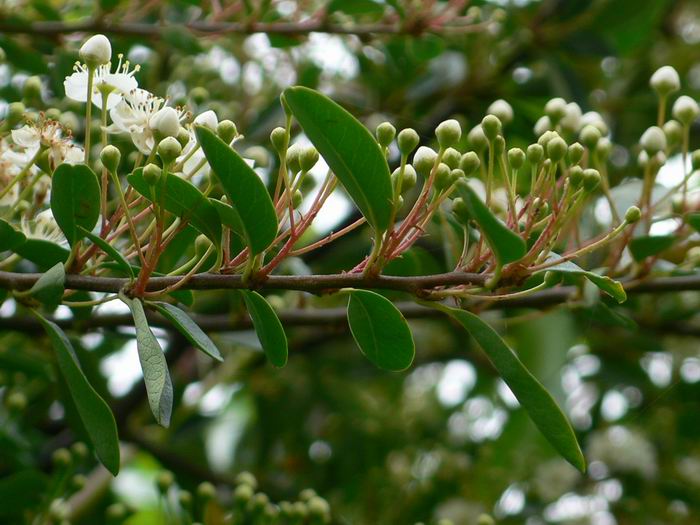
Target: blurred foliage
<point>444,439</point>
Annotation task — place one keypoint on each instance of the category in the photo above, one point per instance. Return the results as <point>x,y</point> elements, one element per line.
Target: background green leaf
<point>75,199</point>
<point>268,327</point>
<point>49,288</point>
<point>9,237</point>
<point>188,328</point>
<point>648,245</point>
<point>610,286</point>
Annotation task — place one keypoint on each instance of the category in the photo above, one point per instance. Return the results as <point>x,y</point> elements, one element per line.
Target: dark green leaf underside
<point>268,327</point>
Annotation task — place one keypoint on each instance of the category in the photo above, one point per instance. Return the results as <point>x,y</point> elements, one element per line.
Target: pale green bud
<point>556,149</point>
<point>477,139</point>
<point>535,154</point>
<point>408,140</point>
<point>442,176</point>
<point>169,149</point>
<point>555,109</point>
<point>385,134</point>
<point>15,113</point>
<point>491,127</point>
<point>279,139</point>
<point>293,154</point>
<point>575,153</point>
<point>227,131</point>
<point>673,131</point>
<point>151,174</point>
<point>206,491</point>
<point>165,122</point>
<point>576,176</point>
<point>516,158</point>
<point>542,126</point>
<point>591,179</point>
<point>686,110</point>
<point>409,178</point>
<point>297,199</point>
<point>501,109</point>
<point>308,157</point>
<point>632,215</point>
<point>456,174</point>
<point>499,146</point>
<point>424,160</point>
<point>164,480</point>
<point>460,210</point>
<point>448,133</point>
<point>451,157</point>
<point>653,140</point>
<point>32,89</point>
<point>96,51</point>
<point>665,80</point>
<point>590,135</point>
<point>199,94</point>
<point>469,162</point>
<point>110,157</point>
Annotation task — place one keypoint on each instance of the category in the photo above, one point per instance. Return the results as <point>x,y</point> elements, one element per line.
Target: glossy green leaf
<point>533,397</point>
<point>44,254</point>
<point>94,412</point>
<point>245,190</point>
<point>349,149</point>
<point>159,387</point>
<point>49,288</point>
<point>229,217</point>
<point>610,286</point>
<point>380,330</point>
<point>268,327</point>
<point>648,245</point>
<point>188,328</point>
<point>506,245</point>
<point>110,250</point>
<point>75,199</point>
<point>9,237</point>
<point>184,200</point>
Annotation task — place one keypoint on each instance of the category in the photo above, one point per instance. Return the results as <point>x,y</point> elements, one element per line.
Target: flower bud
<point>110,157</point>
<point>78,481</point>
<point>297,199</point>
<point>658,160</point>
<point>673,131</point>
<point>555,109</point>
<point>516,158</point>
<point>653,140</point>
<point>491,127</point>
<point>243,494</point>
<point>542,126</point>
<point>575,153</point>
<point>408,180</point>
<point>165,122</point>
<point>319,509</point>
<point>451,157</point>
<point>408,140</point>
<point>15,113</point>
<point>246,478</point>
<point>448,133</point>
<point>695,159</point>
<point>61,457</point>
<point>546,137</point>
<point>575,176</point>
<point>293,153</point>
<point>169,149</point>
<point>96,51</point>
<point>485,519</point>
<point>16,402</point>
<point>572,121</point>
<point>199,94</point>
<point>455,175</point>
<point>164,480</point>
<point>385,134</point>
<point>424,160</point>
<point>604,148</point>
<point>632,215</point>
<point>590,135</point>
<point>556,149</point>
<point>80,450</point>
<point>591,179</point>
<point>469,163</point>
<point>535,154</point>
<point>665,80</point>
<point>279,139</point>
<point>227,131</point>
<point>594,118</point>
<point>499,146</point>
<point>460,210</point>
<point>686,110</point>
<point>208,119</point>
<point>184,498</point>
<point>151,174</point>
<point>116,512</point>
<point>31,90</point>
<point>501,109</point>
<point>308,157</point>
<point>183,137</point>
<point>53,114</point>
<point>206,491</point>
<point>442,176</point>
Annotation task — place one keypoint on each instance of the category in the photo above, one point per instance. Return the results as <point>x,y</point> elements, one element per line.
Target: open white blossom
<point>117,84</point>
<point>49,134</point>
<point>43,227</point>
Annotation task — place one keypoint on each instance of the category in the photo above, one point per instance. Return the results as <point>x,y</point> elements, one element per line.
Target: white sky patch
<point>458,378</point>
<point>122,369</point>
<point>664,227</point>
<point>671,174</point>
<point>329,52</point>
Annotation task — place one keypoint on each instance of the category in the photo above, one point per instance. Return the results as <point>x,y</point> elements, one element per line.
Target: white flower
<point>48,134</point>
<point>207,119</point>
<point>165,121</point>
<point>117,84</point>
<point>96,50</point>
<point>43,227</point>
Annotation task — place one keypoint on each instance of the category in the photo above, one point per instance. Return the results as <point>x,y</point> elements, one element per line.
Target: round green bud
<point>499,146</point>
<point>575,176</point>
<point>571,123</point>
<point>199,94</point>
<point>642,159</point>
<point>555,109</point>
<point>407,140</point>
<point>306,494</point>
<point>208,119</point>
<point>460,210</point>
<point>448,133</point>
<point>542,126</point>
<point>556,149</point>
<point>164,480</point>
<point>442,176</point>
<point>673,131</point>
<point>308,157</point>
<point>58,510</point>
<point>485,519</point>
<point>151,174</point>
<point>110,157</point>
<point>551,279</point>
<point>516,158</point>
<point>300,511</point>
<point>604,148</point>
<point>116,512</point>
<point>78,481</point>
<point>665,80</point>
<point>293,153</point>
<point>477,139</point>
<point>546,137</point>
<point>424,160</point>
<point>409,178</point>
<point>80,450</point>
<point>206,491</point>
<point>15,113</point>
<point>593,118</point>
<point>501,109</point>
<point>385,134</point>
<point>591,179</point>
<point>319,508</point>
<point>31,91</point>
<point>69,120</point>
<point>695,159</point>
<point>632,215</point>
<point>16,401</point>
<point>169,150</point>
<point>246,478</point>
<point>574,153</point>
<point>183,137</point>
<point>227,131</point>
<point>535,154</point>
<point>61,457</point>
<point>96,51</point>
<point>258,503</point>
<point>165,122</point>
<point>184,497</point>
<point>657,160</point>
<point>653,140</point>
<point>53,114</point>
<point>451,157</point>
<point>686,110</point>
<point>455,175</point>
<point>469,162</point>
<point>399,202</point>
<point>243,494</point>
<point>297,199</point>
<point>280,140</point>
<point>491,126</point>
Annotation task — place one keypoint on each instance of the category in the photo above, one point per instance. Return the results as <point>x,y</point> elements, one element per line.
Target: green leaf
<point>9,237</point>
<point>268,327</point>
<point>49,288</point>
<point>44,254</point>
<point>155,368</point>
<point>648,245</point>
<point>21,491</point>
<point>349,149</point>
<point>188,328</point>
<point>693,219</point>
<point>506,245</point>
<point>229,217</point>
<point>94,412</point>
<point>533,397</point>
<point>109,250</point>
<point>184,200</point>
<point>610,286</point>
<point>380,330</point>
<point>75,199</point>
<point>245,190</point>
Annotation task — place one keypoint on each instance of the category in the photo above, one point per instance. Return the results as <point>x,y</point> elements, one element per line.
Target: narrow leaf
<point>49,288</point>
<point>44,254</point>
<point>155,368</point>
<point>75,199</point>
<point>109,250</point>
<point>506,245</point>
<point>350,151</point>
<point>610,286</point>
<point>188,328</point>
<point>380,330</point>
<point>9,237</point>
<point>245,190</point>
<point>94,412</point>
<point>648,245</point>
<point>268,327</point>
<point>533,397</point>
